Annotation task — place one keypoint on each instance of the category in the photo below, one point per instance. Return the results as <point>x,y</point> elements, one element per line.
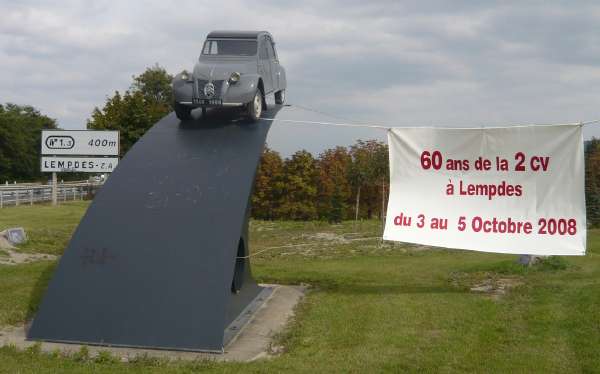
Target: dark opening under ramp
<point>152,261</point>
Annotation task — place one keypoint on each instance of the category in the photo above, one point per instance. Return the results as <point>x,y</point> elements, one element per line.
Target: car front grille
<point>200,83</point>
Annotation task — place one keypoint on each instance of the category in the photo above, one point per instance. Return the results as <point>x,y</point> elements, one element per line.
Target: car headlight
<point>185,75</point>
<point>234,78</point>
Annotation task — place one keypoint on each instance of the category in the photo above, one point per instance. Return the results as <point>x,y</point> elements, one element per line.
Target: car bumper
<point>190,93</point>
<point>210,103</point>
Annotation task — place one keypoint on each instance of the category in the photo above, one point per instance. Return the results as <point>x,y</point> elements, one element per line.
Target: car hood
<point>217,69</point>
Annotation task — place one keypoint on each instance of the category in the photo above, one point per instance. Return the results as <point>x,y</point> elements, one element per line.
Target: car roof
<point>229,34</point>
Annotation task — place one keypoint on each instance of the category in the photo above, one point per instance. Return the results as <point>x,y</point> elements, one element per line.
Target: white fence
<point>21,194</point>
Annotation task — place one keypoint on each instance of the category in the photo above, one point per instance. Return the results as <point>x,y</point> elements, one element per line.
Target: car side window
<point>264,54</point>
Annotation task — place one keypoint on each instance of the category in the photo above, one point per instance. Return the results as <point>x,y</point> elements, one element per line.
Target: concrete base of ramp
<point>253,341</point>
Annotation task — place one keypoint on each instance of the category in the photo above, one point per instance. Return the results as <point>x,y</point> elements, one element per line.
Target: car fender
<point>282,78</point>
<point>183,90</point>
<point>243,90</point>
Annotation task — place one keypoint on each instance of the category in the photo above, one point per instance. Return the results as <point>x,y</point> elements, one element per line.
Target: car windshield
<point>229,47</point>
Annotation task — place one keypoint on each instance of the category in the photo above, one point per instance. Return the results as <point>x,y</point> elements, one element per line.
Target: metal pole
<point>17,197</point>
<point>1,199</point>
<point>31,196</point>
<point>54,190</point>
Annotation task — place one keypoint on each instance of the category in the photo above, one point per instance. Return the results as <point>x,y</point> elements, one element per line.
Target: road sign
<point>80,142</point>
<point>79,164</point>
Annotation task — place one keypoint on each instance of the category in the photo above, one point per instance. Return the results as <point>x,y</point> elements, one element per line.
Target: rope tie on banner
<point>590,122</point>
<point>384,127</point>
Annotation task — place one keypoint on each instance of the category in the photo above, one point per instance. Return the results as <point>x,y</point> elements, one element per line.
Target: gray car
<point>235,69</point>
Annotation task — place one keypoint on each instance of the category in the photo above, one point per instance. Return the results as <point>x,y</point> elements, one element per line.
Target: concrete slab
<point>253,341</point>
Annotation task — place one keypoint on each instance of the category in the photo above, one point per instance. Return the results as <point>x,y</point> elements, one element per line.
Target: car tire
<point>280,97</point>
<point>183,112</point>
<point>254,108</point>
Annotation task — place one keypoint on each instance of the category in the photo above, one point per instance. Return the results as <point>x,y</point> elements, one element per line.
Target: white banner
<point>509,190</point>
<point>80,142</point>
<point>79,164</point>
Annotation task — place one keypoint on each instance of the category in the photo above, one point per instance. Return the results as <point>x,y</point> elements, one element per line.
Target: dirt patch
<point>4,243</point>
<point>496,287</point>
<point>485,283</point>
<point>330,237</point>
<point>262,226</point>
<point>418,248</point>
<point>11,257</point>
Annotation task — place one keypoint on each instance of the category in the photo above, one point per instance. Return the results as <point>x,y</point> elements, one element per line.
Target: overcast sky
<point>447,63</point>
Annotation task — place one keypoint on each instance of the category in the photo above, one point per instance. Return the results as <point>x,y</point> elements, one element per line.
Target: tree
<point>360,173</point>
<point>268,185</point>
<point>135,111</point>
<point>381,172</point>
<point>302,188</point>
<point>299,191</point>
<point>20,135</point>
<point>592,182</point>
<point>368,175</point>
<point>333,186</point>
<point>155,85</point>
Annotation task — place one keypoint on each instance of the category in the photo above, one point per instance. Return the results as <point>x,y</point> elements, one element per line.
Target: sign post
<point>54,189</point>
<point>78,151</point>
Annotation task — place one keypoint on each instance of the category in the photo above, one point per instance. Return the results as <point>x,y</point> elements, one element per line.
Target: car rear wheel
<point>280,97</point>
<point>183,112</point>
<point>255,106</point>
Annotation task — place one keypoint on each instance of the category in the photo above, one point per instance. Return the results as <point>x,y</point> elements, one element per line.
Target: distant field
<point>373,307</point>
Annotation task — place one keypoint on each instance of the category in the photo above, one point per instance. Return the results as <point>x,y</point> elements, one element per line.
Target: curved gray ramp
<point>152,261</point>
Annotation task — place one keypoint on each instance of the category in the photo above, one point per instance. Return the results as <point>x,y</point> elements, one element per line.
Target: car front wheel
<point>183,112</point>
<point>280,97</point>
<point>255,106</point>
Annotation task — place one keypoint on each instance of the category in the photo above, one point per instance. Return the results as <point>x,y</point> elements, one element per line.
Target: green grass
<point>48,228</point>
<point>372,308</point>
<point>21,289</point>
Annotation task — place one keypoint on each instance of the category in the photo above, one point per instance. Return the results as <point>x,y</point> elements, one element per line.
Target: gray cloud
<point>401,63</point>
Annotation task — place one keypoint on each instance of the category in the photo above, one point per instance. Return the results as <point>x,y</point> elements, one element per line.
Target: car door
<point>274,64</point>
<point>264,66</point>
